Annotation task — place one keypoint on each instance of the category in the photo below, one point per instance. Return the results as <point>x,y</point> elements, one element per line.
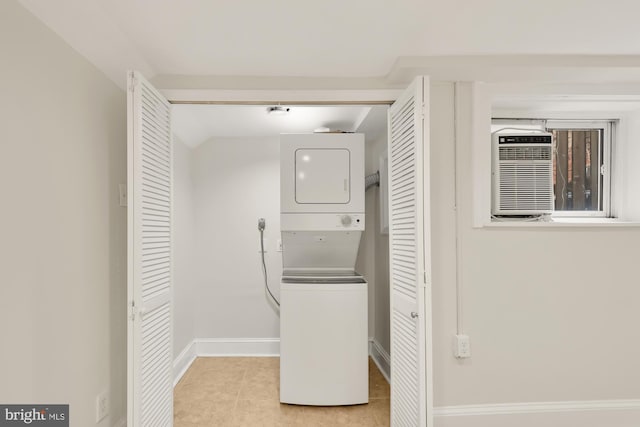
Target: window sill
<point>565,222</point>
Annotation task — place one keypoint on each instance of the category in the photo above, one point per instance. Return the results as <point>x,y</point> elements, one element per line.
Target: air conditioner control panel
<point>525,139</point>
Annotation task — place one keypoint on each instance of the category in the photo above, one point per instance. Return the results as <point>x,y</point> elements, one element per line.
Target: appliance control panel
<point>322,222</point>
<point>350,220</point>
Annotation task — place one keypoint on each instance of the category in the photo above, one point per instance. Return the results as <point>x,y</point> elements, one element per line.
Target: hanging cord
<point>261,227</point>
<point>520,129</point>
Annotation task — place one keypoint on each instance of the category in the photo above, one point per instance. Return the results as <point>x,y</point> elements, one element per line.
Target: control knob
<point>346,220</point>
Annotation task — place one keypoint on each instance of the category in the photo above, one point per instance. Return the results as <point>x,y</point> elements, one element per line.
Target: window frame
<point>609,129</point>
<point>607,142</point>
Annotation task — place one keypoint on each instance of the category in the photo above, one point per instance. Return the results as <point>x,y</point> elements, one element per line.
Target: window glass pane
<point>578,156</point>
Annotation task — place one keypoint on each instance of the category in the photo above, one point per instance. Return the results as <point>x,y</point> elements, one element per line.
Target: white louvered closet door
<point>409,256</point>
<point>150,198</point>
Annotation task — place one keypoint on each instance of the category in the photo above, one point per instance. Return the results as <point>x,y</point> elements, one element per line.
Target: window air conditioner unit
<point>522,174</point>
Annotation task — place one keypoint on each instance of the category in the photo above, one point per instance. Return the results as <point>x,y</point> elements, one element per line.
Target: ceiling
<point>572,105</point>
<point>329,38</point>
<point>194,124</point>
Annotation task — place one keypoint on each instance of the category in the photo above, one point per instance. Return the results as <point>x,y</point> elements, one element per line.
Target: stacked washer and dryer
<point>323,301</point>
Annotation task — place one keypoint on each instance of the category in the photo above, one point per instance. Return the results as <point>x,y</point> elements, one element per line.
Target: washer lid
<point>319,280</point>
<point>321,276</point>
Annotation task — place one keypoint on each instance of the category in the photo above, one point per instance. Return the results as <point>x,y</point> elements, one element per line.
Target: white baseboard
<point>183,361</point>
<point>380,358</point>
<point>594,413</point>
<point>254,347</point>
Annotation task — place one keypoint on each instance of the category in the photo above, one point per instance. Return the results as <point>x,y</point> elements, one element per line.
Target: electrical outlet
<point>462,348</point>
<point>102,406</point>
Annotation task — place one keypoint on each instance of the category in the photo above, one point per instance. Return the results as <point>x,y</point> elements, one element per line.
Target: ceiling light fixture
<point>278,110</point>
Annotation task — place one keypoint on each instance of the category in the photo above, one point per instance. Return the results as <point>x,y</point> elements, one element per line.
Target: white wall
<point>630,186</point>
<point>63,244</point>
<point>546,309</point>
<point>378,245</point>
<point>236,181</point>
<point>504,27</point>
<point>443,250</point>
<point>373,256</point>
<point>366,260</point>
<point>184,297</point>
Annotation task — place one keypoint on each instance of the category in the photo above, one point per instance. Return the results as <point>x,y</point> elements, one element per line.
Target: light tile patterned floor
<point>243,392</point>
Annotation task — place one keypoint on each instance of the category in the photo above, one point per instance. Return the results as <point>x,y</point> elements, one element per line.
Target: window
<point>581,162</point>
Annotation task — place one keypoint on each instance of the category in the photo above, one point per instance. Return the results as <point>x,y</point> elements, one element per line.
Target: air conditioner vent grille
<point>525,187</point>
<point>525,153</point>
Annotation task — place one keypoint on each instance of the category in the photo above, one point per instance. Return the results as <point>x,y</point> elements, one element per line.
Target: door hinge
<point>424,283</point>
<point>134,82</point>
<point>132,315</point>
